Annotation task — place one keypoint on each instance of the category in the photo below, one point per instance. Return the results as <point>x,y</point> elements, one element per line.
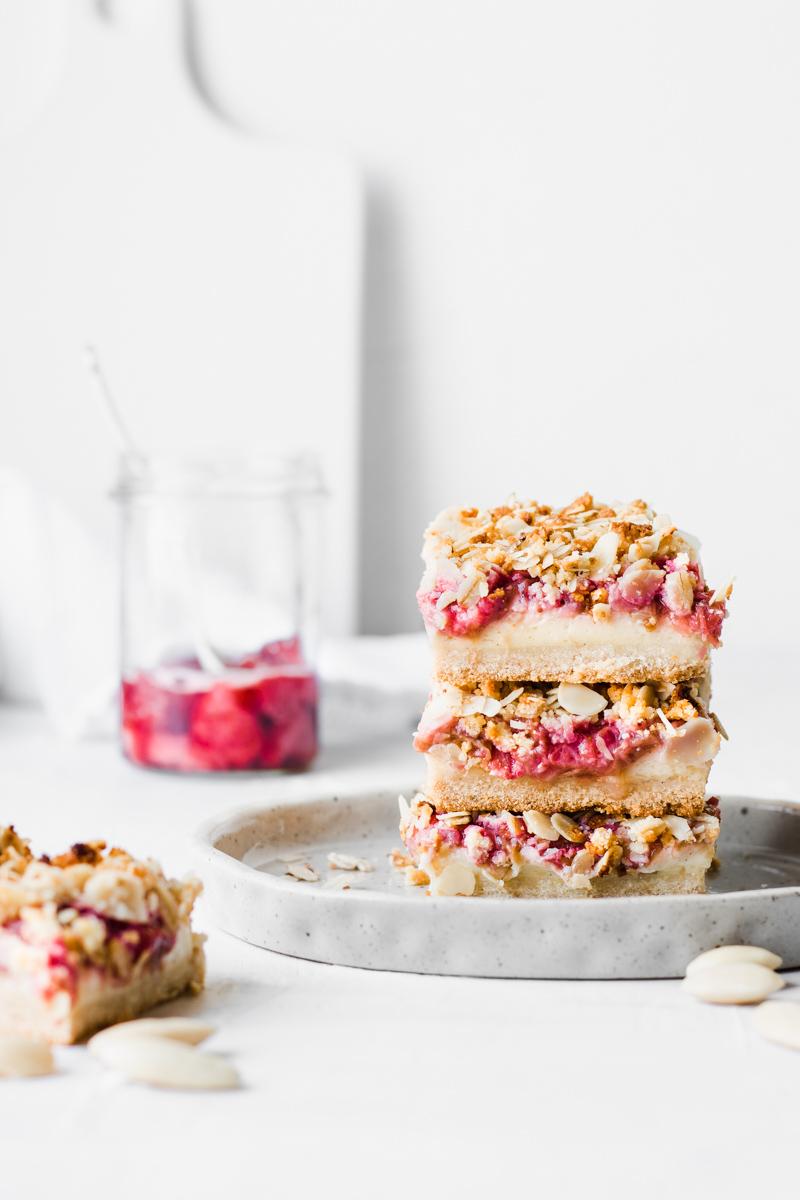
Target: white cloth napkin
<point>59,632</point>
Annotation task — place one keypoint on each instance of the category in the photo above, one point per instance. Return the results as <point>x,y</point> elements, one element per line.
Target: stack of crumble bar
<point>568,737</point>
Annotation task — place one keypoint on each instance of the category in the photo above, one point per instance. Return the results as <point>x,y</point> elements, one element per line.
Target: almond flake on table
<point>22,1057</point>
<point>347,862</point>
<point>302,871</point>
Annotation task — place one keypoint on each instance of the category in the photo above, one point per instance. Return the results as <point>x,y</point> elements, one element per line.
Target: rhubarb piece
<point>259,713</point>
<point>89,938</point>
<point>592,855</point>
<point>583,593</point>
<point>636,749</point>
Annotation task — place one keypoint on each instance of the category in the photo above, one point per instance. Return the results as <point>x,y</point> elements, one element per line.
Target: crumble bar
<point>89,938</point>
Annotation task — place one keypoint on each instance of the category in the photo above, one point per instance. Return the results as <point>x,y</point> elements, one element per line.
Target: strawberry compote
<point>519,593</point>
<point>259,713</point>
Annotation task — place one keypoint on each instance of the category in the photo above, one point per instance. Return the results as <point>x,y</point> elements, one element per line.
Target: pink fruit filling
<point>260,714</point>
<point>60,965</point>
<point>519,593</point>
<point>551,747</point>
<point>492,841</point>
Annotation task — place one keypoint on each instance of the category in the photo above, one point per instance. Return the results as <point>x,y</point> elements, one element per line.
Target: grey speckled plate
<point>383,924</point>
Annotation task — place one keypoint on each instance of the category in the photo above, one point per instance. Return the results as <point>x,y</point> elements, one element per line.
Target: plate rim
<point>204,848</point>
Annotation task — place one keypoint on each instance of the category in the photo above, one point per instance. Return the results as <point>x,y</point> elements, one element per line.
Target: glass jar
<point>219,607</point>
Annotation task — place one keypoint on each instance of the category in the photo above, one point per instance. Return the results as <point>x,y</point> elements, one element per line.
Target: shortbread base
<point>98,1001</point>
<point>624,793</point>
<point>550,647</point>
<point>540,882</point>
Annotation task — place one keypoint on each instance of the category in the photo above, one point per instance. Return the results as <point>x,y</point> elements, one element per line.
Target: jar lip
<point>223,474</point>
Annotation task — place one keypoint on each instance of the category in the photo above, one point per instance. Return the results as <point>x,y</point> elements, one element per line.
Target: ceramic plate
<point>383,924</point>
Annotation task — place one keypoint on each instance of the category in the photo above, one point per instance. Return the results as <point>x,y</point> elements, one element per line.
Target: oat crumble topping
<point>86,895</point>
<point>592,556</point>
<point>579,846</point>
<point>510,729</point>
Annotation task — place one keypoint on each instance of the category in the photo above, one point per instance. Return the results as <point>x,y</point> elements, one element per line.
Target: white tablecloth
<point>367,1084</point>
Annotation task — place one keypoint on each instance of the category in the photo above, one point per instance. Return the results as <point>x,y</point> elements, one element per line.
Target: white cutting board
<point>218,274</point>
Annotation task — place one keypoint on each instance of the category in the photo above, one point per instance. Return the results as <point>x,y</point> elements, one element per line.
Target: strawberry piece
<point>288,710</point>
<point>224,735</point>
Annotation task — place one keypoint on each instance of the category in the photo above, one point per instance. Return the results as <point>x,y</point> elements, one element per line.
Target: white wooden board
<point>218,274</point>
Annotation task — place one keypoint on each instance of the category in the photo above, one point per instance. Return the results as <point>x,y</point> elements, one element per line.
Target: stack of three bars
<point>568,737</point>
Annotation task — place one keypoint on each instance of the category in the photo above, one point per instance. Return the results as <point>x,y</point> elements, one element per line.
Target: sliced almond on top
<point>681,830</point>
<point>604,553</point>
<point>457,879</point>
<point>540,825</point>
<point>24,1057</point>
<point>446,599</point>
<point>734,954</point>
<point>648,545</point>
<point>733,983</point>
<point>583,862</point>
<point>348,862</point>
<point>178,1029</point>
<point>779,1023</point>
<point>580,700</point>
<point>567,828</point>
<point>722,594</point>
<point>164,1063</point>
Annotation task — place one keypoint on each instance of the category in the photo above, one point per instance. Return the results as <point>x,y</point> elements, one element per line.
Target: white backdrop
<point>582,253</point>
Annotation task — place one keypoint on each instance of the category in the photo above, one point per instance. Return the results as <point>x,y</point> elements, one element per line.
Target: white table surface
<point>359,1083</point>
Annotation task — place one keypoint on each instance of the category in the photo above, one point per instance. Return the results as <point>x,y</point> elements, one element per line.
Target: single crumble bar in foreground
<point>635,749</point>
<point>584,854</point>
<point>588,592</point>
<point>89,938</point>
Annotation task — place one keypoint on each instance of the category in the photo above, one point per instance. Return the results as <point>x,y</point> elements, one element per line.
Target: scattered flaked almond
<point>178,1029</point>
<point>22,1057</point>
<point>583,862</point>
<point>567,828</point>
<point>734,954</point>
<point>733,983</point>
<point>455,818</point>
<point>580,700</point>
<point>540,825</point>
<point>720,728</point>
<point>457,879</point>
<point>348,862</point>
<point>722,594</point>
<point>303,871</point>
<point>665,721</point>
<point>338,883</point>
<point>604,554</point>
<point>679,827</point>
<point>162,1062</point>
<point>679,592</point>
<point>779,1023</point>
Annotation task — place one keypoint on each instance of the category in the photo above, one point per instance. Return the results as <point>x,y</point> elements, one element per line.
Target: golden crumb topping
<point>633,703</point>
<point>88,879</point>
<point>563,547</point>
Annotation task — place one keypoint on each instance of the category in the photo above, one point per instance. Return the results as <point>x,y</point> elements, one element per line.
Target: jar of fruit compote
<point>219,612</point>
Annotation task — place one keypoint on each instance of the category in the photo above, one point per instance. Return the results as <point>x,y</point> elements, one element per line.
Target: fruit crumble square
<point>623,748</point>
<point>89,938</point>
<point>543,855</point>
<point>588,592</point>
